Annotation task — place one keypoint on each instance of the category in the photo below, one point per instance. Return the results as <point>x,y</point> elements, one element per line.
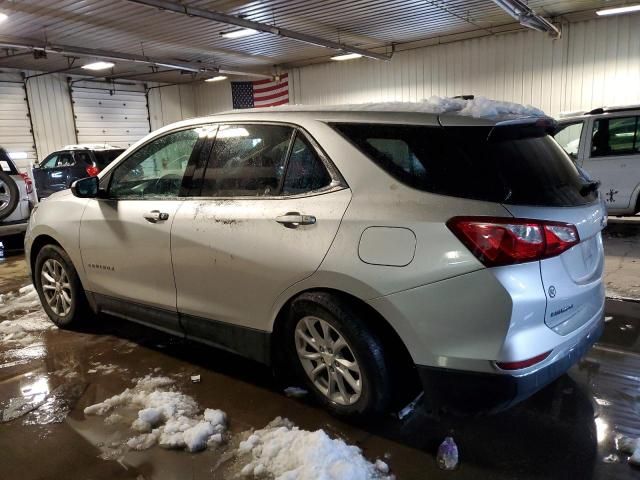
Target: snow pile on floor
<point>165,416</point>
<point>479,107</point>
<point>24,330</point>
<point>284,452</point>
<point>24,299</point>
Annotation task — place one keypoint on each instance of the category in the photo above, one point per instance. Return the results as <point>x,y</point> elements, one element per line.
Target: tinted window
<point>50,161</point>
<point>105,157</point>
<point>64,160</point>
<point>156,169</point>
<point>247,160</point>
<point>6,164</point>
<point>615,136</point>
<point>513,164</point>
<point>305,171</point>
<point>83,158</point>
<point>568,137</point>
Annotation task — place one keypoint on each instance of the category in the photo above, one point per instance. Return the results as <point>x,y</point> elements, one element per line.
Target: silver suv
<point>15,203</point>
<point>356,250</point>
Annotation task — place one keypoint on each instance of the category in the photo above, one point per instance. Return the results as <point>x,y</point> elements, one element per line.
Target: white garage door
<point>16,136</point>
<point>113,114</point>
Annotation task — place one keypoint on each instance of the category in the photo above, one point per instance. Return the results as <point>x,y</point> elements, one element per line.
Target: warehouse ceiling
<point>147,34</point>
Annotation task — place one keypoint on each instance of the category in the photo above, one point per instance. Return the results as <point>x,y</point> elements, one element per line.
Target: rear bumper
<point>470,392</point>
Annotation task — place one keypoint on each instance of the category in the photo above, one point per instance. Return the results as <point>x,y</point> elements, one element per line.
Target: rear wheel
<point>340,360</point>
<point>59,287</point>
<point>9,195</point>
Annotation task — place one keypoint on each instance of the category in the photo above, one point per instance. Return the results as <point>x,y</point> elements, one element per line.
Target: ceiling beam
<point>19,43</point>
<point>259,26</point>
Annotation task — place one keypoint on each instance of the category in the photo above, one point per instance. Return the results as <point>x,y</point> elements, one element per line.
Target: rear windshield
<point>512,165</point>
<point>105,157</point>
<point>6,164</point>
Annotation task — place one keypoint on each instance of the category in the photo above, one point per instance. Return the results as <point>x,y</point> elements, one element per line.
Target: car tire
<point>343,362</point>
<point>59,287</point>
<point>9,195</point>
<point>13,242</point>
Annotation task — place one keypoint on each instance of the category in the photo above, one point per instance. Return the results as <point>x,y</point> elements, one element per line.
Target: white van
<point>605,142</point>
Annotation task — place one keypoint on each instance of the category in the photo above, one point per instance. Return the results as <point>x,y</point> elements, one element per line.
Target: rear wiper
<point>589,187</point>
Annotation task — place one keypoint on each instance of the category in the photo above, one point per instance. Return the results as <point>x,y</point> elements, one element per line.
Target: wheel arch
<point>393,344</point>
<point>36,245</point>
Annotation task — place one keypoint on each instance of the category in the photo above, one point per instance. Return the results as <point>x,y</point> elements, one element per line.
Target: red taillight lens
<point>92,171</point>
<point>27,182</point>
<point>523,363</point>
<point>505,241</point>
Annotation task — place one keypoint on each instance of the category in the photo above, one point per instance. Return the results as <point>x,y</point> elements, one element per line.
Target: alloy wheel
<point>328,360</point>
<point>56,287</point>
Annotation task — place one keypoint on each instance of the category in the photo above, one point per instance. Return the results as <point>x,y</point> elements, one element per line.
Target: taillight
<point>523,363</point>
<point>505,241</point>
<point>92,171</point>
<point>27,182</point>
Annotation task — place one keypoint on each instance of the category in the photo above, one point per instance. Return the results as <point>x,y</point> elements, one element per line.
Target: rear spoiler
<point>523,128</point>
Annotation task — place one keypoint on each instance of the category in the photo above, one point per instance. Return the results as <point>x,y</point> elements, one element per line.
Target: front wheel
<point>337,355</point>
<point>59,287</point>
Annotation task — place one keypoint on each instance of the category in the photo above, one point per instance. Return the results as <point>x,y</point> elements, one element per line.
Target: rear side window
<point>105,157</point>
<point>6,164</point>
<point>305,171</point>
<point>568,137</point>
<point>247,161</point>
<point>615,136</point>
<point>83,158</point>
<point>525,167</point>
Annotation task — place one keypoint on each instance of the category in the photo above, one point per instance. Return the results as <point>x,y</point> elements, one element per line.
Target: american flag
<point>261,93</point>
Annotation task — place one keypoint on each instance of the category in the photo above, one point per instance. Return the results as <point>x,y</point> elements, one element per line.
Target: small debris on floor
<point>629,445</point>
<point>448,454</point>
<point>607,319</point>
<point>295,392</point>
<point>613,458</point>
<point>406,411</point>
<point>195,378</point>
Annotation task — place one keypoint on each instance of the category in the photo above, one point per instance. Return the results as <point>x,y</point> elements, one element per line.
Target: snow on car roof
<point>477,107</point>
<point>91,146</point>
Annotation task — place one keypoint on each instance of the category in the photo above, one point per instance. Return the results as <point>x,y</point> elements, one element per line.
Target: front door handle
<point>155,216</point>
<point>295,219</point>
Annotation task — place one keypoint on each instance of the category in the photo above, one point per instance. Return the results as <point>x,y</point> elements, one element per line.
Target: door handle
<point>295,219</point>
<point>155,216</point>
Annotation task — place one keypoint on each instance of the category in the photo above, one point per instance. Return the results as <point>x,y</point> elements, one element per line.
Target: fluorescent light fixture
<point>98,66</point>
<point>346,56</point>
<point>619,10</point>
<point>218,78</point>
<point>245,32</point>
<point>3,17</point>
<point>17,155</point>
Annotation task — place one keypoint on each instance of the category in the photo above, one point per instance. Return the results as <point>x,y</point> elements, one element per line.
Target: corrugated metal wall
<point>168,104</point>
<point>212,97</point>
<point>595,63</point>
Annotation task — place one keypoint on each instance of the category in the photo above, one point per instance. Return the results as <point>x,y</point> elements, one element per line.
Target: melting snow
<point>285,452</point>
<point>479,107</point>
<point>21,328</point>
<point>165,416</point>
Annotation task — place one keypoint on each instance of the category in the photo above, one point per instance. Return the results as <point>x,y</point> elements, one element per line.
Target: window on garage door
<point>156,169</point>
<point>615,136</point>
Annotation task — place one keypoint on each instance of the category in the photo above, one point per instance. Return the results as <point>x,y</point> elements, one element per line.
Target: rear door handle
<point>295,219</point>
<point>155,216</point>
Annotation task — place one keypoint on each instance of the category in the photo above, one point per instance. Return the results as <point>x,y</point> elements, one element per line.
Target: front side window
<point>65,160</point>
<point>615,136</point>
<point>49,162</point>
<point>247,161</point>
<point>305,171</point>
<point>156,169</point>
<point>568,137</point>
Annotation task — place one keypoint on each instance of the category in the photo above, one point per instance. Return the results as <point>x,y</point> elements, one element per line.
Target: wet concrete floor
<point>565,431</point>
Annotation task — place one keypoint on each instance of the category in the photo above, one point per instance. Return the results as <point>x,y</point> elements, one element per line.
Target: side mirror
<point>86,187</point>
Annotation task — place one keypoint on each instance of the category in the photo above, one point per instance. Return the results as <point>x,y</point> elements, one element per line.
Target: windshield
<point>512,165</point>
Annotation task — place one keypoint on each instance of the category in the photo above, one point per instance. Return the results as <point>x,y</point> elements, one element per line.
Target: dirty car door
<point>268,213</point>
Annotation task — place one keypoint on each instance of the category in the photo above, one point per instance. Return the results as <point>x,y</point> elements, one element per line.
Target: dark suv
<point>60,169</point>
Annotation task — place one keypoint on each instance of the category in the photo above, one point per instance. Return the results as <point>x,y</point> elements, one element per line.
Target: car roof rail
<point>624,108</point>
<point>465,97</point>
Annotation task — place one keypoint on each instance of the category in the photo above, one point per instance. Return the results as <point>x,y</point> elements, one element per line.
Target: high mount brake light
<point>505,241</point>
